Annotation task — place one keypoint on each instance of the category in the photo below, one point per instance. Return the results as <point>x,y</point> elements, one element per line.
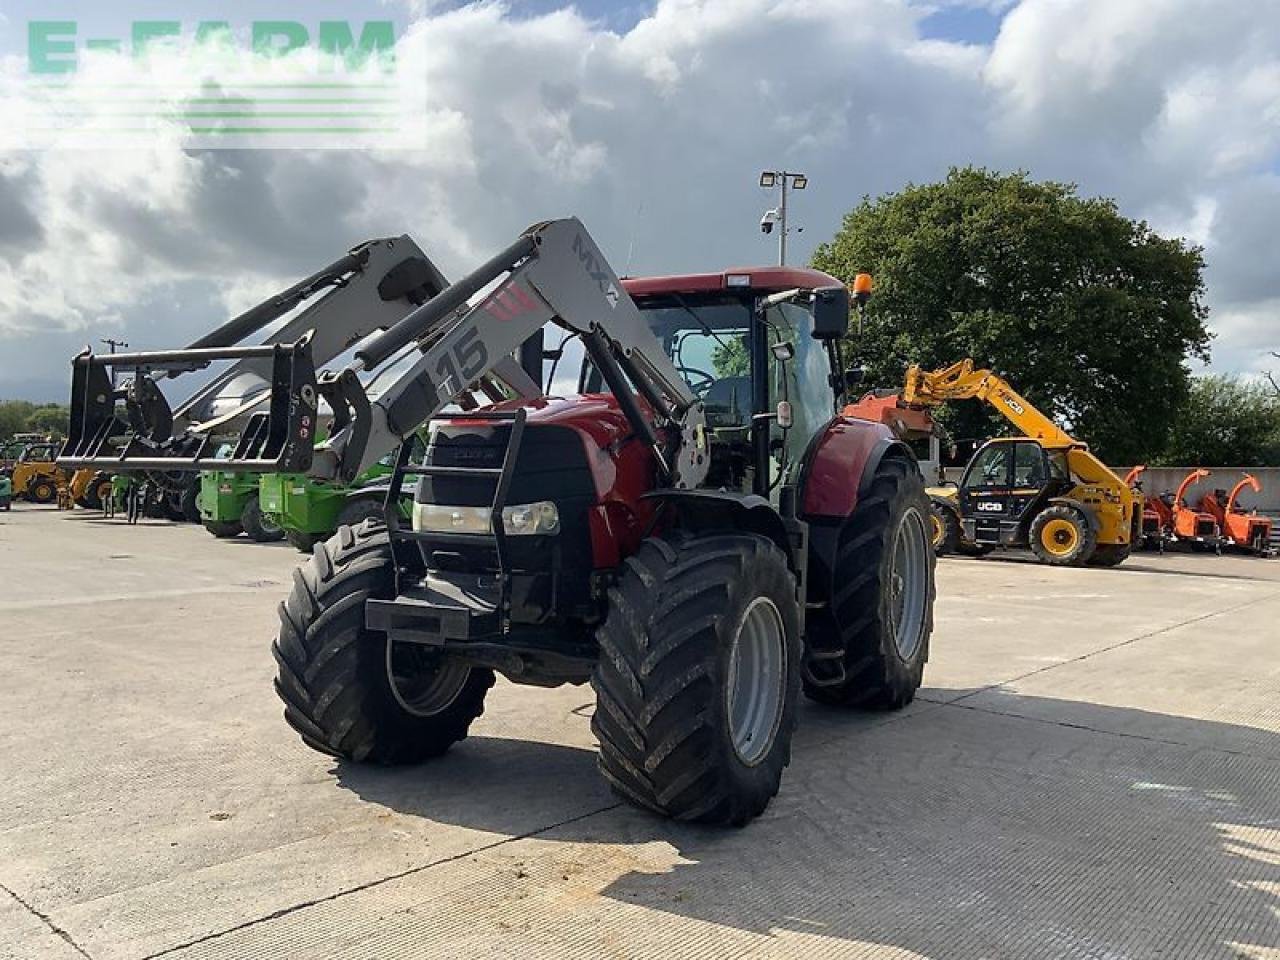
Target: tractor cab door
<point>1004,486</point>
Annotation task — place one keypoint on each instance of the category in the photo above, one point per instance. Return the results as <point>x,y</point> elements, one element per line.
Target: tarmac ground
<point>1091,770</point>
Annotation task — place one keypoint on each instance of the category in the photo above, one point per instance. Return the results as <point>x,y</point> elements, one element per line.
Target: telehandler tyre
<point>349,691</point>
<point>944,528</point>
<point>42,490</point>
<point>868,645</point>
<point>699,676</point>
<point>257,525</point>
<point>1110,554</point>
<point>1062,537</point>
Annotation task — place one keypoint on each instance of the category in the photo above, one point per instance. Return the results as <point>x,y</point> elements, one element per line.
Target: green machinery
<point>230,505</point>
<point>6,492</point>
<point>310,510</point>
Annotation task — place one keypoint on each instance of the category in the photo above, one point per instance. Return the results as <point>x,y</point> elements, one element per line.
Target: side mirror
<point>830,312</point>
<point>854,376</point>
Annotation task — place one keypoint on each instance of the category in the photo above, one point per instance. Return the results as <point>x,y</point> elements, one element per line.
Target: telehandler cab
<point>36,477</point>
<point>697,532</point>
<point>1044,490</point>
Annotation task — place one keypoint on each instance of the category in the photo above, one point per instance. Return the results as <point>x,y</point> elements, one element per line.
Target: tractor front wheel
<point>699,676</point>
<point>355,512</point>
<point>257,524</point>
<point>1061,537</point>
<point>352,692</point>
<point>867,646</point>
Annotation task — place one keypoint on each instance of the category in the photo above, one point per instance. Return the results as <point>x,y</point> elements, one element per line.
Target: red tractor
<point>696,531</point>
<point>1245,531</point>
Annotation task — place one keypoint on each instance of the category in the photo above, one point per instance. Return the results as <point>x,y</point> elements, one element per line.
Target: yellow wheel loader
<point>1044,490</point>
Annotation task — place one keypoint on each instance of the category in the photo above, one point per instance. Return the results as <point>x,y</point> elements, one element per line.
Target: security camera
<point>768,220</point>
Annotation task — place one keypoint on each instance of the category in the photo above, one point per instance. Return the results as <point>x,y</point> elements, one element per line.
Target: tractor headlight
<point>524,520</point>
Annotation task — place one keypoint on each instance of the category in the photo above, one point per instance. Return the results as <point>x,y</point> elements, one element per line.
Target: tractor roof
<point>768,279</point>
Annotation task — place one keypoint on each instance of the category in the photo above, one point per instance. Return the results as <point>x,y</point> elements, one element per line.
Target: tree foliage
<point>1226,422</point>
<point>1090,314</point>
<point>23,416</point>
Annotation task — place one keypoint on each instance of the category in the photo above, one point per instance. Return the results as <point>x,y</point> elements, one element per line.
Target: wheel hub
<point>908,584</point>
<point>422,682</point>
<point>757,681</point>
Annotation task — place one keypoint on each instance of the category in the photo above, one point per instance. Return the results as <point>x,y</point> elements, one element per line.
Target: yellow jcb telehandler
<point>1044,490</point>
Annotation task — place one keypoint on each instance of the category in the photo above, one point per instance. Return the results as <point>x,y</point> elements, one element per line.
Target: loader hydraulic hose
<point>415,324</point>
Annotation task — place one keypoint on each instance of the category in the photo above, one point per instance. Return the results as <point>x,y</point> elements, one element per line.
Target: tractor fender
<point>701,511</point>
<point>840,464</point>
<point>1090,517</point>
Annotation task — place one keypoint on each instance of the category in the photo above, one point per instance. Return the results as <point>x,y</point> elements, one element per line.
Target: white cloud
<point>654,137</point>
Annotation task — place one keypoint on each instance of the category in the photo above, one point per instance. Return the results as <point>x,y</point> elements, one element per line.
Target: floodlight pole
<point>784,179</point>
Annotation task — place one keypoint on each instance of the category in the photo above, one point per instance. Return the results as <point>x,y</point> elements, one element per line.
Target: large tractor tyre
<point>699,677</point>
<point>351,692</point>
<point>868,645</point>
<point>224,530</point>
<point>300,541</point>
<point>257,524</point>
<point>42,490</point>
<point>1061,536</point>
<point>944,528</point>
<point>357,511</point>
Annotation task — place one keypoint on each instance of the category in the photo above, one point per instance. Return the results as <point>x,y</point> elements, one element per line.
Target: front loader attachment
<point>266,400</point>
<point>133,427</point>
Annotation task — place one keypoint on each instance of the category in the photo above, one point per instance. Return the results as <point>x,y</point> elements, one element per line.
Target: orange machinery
<point>1248,531</point>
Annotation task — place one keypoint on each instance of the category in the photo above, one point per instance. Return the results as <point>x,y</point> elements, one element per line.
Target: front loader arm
<point>554,273</point>
<point>134,426</point>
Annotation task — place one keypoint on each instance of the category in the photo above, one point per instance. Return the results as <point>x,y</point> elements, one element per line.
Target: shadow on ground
<point>948,831</point>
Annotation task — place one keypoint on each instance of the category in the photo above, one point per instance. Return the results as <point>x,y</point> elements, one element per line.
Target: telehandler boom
<point>1044,490</point>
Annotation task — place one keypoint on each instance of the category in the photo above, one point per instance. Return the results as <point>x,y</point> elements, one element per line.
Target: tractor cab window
<point>709,341</point>
<point>990,468</point>
<point>803,381</point>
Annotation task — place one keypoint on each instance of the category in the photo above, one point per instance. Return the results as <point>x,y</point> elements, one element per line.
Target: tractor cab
<point>1006,484</point>
<point>759,349</point>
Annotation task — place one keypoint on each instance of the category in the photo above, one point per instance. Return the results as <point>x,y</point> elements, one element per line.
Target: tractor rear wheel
<point>868,645</point>
<point>1062,537</point>
<point>42,490</point>
<point>257,524</point>
<point>356,512</point>
<point>945,530</point>
<point>224,530</point>
<point>699,676</point>
<point>352,692</point>
<point>302,542</point>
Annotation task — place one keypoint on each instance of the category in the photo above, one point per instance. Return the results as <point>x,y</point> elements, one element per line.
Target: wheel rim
<point>1059,537</point>
<point>423,683</point>
<point>909,584</point>
<point>757,680</point>
<point>268,526</point>
<point>938,529</point>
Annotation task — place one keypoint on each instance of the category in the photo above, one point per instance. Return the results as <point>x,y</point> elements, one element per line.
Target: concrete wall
<point>1158,480</point>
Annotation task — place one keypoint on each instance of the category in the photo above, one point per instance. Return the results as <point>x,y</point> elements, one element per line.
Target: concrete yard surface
<point>1092,770</point>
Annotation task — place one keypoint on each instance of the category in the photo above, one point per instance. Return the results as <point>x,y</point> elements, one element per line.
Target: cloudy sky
<point>650,120</point>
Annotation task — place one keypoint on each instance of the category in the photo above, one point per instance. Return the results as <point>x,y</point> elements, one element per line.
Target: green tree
<point>1088,313</point>
<point>51,418</point>
<point>1226,422</point>
<point>13,417</point>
